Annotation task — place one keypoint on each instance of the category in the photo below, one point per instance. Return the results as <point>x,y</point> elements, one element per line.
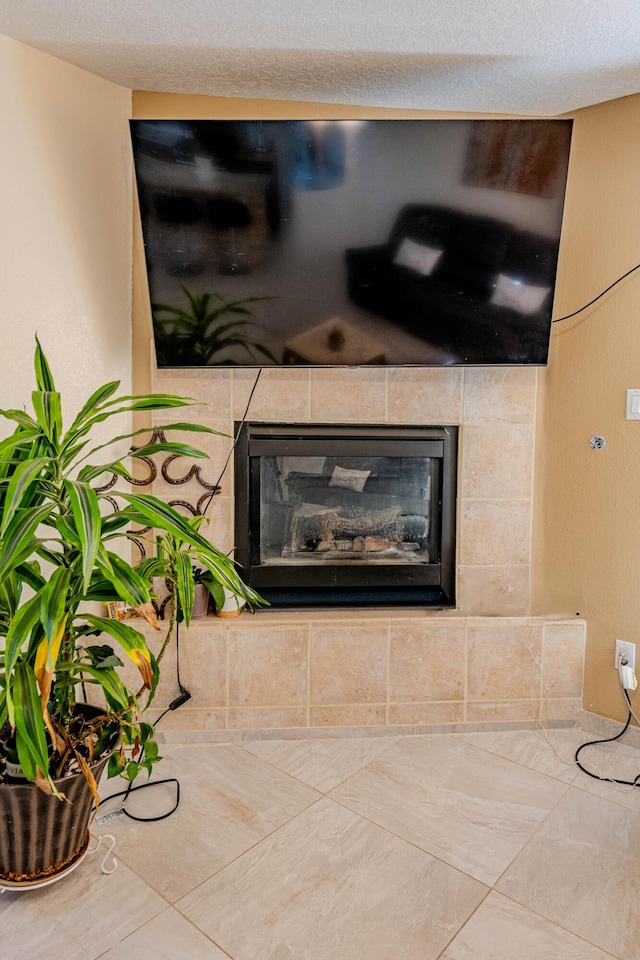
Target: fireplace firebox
<point>344,516</point>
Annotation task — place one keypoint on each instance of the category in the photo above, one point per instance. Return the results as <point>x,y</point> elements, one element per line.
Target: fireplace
<point>345,516</point>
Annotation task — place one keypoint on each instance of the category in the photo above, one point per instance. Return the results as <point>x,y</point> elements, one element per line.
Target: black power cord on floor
<point>181,699</point>
<point>590,743</point>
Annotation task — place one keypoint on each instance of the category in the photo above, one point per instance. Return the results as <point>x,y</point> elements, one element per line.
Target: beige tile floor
<point>487,846</point>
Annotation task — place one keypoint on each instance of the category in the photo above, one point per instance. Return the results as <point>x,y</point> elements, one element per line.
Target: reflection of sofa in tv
<point>485,296</point>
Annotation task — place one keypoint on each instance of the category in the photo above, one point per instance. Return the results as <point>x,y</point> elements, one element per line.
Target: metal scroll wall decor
<point>195,509</point>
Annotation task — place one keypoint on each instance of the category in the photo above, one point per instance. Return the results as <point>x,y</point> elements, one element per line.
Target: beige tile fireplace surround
<point>486,662</point>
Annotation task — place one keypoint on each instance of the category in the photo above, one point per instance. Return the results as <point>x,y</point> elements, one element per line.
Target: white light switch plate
<point>633,404</point>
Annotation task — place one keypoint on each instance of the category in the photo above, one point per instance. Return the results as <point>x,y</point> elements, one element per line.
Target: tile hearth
<point>380,670</point>
<point>483,846</point>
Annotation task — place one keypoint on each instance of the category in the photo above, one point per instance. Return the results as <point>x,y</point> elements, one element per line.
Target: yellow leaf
<point>44,678</point>
<point>54,646</point>
<point>89,777</point>
<point>41,658</point>
<point>44,784</point>
<point>142,661</point>
<point>47,653</point>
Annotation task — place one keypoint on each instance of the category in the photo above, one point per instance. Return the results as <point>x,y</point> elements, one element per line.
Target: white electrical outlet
<point>625,651</point>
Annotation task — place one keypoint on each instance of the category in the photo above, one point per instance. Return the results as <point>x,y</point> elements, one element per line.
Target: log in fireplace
<point>344,516</point>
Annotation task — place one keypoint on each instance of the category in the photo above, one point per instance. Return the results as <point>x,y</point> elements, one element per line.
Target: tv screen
<point>343,242</point>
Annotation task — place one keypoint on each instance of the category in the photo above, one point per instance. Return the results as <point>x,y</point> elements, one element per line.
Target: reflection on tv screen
<point>340,242</point>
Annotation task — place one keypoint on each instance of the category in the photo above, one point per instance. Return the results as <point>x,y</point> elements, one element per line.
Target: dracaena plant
<point>58,551</point>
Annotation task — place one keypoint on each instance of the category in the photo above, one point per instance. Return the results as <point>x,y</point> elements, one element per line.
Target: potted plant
<point>56,555</point>
<point>190,577</point>
<point>195,336</point>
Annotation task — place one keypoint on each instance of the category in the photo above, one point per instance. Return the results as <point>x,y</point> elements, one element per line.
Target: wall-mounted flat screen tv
<point>343,242</point>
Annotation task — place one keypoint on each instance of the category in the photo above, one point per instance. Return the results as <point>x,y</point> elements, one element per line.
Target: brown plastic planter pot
<point>41,836</point>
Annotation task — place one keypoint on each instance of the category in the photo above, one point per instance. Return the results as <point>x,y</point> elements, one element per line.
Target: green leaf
<point>20,438</point>
<point>54,608</point>
<point>29,573</point>
<point>185,587</point>
<point>128,638</point>
<point>132,770</point>
<point>48,410</point>
<point>66,527</point>
<point>151,751</point>
<point>163,400</point>
<point>115,766</point>
<point>30,736</point>
<point>133,644</point>
<point>152,567</point>
<point>107,678</point>
<point>187,427</point>
<point>10,592</point>
<point>115,522</point>
<point>147,731</point>
<point>51,556</point>
<point>86,514</point>
<point>22,623</point>
<point>127,582</point>
<point>22,418</point>
<point>193,428</point>
<point>217,592</point>
<point>44,377</point>
<point>25,758</point>
<point>160,515</point>
<point>19,536</point>
<point>153,401</point>
<point>168,447</point>
<point>95,400</point>
<point>23,477</point>
<point>103,656</point>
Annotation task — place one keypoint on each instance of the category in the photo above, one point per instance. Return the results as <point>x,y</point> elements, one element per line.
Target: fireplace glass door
<point>346,515</point>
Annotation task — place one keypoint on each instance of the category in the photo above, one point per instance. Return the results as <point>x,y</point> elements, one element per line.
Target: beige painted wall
<point>586,545</point>
<point>65,242</point>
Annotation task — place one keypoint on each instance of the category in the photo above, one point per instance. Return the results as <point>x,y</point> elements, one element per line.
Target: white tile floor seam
<point>441,847</point>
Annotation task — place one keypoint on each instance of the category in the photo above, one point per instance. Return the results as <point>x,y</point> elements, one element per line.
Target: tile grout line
<point>465,691</point>
<point>386,395</point>
<point>387,712</point>
<point>253,846</point>
<point>555,923</point>
<point>533,835</point>
<point>541,684</point>
<point>463,925</point>
<point>309,629</point>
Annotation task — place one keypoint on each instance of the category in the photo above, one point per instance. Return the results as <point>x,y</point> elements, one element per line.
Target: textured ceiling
<point>512,56</point>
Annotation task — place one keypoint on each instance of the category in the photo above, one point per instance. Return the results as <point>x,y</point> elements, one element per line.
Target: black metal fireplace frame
<point>344,585</point>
